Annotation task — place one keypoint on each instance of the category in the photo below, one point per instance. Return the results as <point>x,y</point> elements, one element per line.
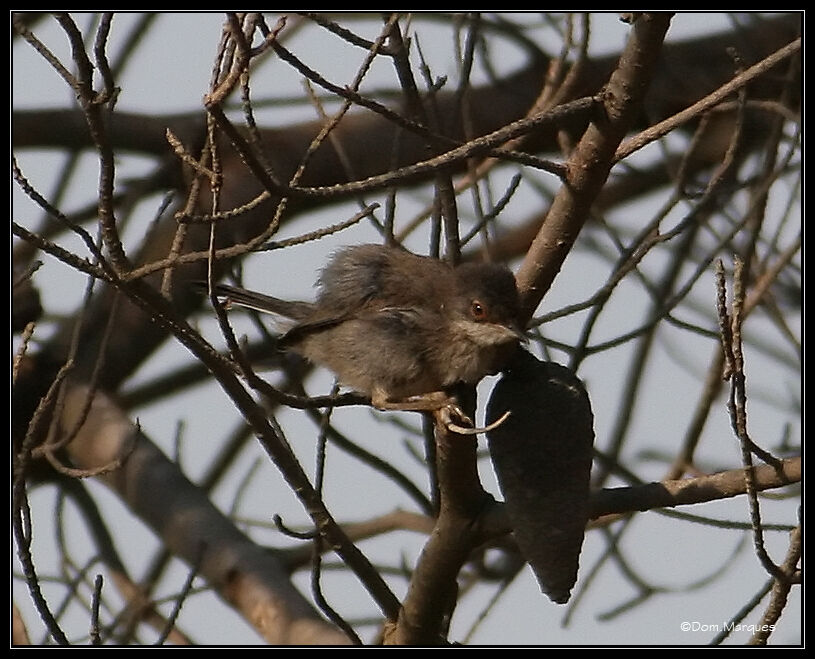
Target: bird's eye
<point>478,310</point>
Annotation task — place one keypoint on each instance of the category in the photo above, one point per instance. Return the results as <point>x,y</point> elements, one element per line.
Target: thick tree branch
<point>591,162</point>
<point>250,577</point>
<point>432,593</point>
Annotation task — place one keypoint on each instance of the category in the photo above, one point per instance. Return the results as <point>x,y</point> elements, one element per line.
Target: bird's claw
<point>453,419</point>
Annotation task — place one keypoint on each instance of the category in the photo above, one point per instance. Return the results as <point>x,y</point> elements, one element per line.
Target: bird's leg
<point>443,405</point>
<point>429,402</point>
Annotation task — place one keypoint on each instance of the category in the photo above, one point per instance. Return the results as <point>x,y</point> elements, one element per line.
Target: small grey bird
<point>399,327</point>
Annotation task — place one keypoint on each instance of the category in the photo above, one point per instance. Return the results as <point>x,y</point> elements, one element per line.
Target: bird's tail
<point>295,310</point>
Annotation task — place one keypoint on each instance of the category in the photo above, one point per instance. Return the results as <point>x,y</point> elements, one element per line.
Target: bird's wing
<point>399,320</point>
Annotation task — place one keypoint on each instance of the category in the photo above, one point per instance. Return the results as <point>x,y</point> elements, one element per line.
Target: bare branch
<point>707,103</point>
<point>690,491</point>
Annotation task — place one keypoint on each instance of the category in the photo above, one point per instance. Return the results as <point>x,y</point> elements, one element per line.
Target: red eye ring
<point>478,310</point>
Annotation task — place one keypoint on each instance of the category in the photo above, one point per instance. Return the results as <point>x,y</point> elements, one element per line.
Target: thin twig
<point>186,589</point>
<point>25,337</point>
<point>318,541</point>
<point>666,126</point>
<point>780,590</point>
<point>480,146</point>
<point>43,50</point>
<point>99,50</point>
<point>21,524</point>
<point>54,212</point>
<point>731,326</point>
<point>91,104</point>
<point>95,632</point>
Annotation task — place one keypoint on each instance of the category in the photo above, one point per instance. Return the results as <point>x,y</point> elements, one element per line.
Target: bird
<point>398,327</point>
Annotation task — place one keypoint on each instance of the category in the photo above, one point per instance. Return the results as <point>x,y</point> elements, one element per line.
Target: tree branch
<point>591,162</point>
<point>667,494</point>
